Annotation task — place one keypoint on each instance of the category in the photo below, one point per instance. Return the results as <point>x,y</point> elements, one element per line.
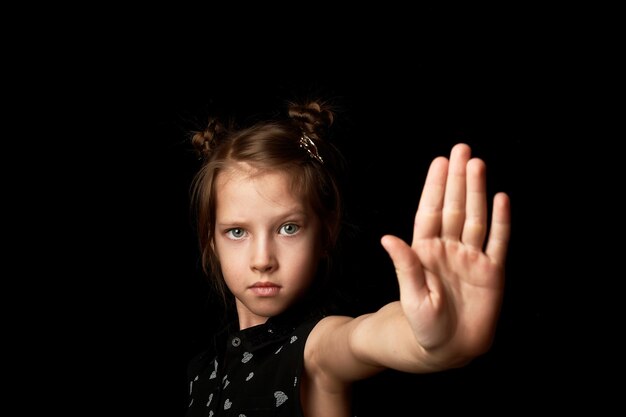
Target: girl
<point>269,213</point>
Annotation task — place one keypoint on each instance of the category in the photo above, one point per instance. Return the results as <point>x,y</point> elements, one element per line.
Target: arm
<point>451,283</point>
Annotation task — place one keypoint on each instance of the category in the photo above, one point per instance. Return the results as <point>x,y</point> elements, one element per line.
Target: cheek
<point>229,260</point>
<point>305,259</point>
<point>234,272</point>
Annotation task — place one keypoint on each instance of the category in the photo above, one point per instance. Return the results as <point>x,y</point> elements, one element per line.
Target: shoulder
<point>327,332</point>
<point>329,325</point>
<point>206,357</point>
<point>200,362</point>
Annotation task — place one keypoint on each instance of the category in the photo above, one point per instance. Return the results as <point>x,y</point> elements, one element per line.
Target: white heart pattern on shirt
<point>227,404</point>
<point>281,397</point>
<point>246,357</point>
<point>250,375</point>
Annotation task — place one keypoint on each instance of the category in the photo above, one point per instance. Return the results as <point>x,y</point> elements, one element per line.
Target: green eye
<point>235,233</point>
<point>289,229</point>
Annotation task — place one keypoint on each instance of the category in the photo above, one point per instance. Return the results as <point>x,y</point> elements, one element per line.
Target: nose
<point>263,257</point>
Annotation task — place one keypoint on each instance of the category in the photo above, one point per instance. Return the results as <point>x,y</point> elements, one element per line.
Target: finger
<point>407,265</point>
<point>454,200</point>
<point>500,232</point>
<point>428,215</point>
<point>475,226</point>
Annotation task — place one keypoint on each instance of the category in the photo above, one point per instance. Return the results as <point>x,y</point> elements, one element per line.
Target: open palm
<point>451,278</point>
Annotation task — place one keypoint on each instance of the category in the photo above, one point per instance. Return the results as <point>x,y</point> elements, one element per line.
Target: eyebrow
<point>287,215</point>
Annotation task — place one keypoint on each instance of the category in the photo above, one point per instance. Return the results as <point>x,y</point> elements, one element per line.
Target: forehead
<point>243,184</point>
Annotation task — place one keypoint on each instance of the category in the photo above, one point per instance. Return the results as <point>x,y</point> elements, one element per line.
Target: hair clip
<point>307,143</point>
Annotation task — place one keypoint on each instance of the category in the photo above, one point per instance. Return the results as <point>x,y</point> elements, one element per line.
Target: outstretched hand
<point>452,276</point>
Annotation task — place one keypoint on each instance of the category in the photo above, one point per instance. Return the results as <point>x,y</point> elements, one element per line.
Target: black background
<point>410,85</point>
<point>396,121</point>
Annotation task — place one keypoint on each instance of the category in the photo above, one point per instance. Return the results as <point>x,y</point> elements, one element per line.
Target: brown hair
<point>278,144</point>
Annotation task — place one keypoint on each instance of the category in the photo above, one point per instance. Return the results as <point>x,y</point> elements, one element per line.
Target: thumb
<point>407,265</point>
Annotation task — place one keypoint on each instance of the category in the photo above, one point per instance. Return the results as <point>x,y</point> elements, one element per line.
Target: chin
<point>267,308</point>
<point>268,311</point>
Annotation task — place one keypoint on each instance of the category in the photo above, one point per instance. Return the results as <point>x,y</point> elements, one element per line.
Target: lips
<point>265,289</point>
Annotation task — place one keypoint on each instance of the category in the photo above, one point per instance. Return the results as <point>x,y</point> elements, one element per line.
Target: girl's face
<point>267,240</point>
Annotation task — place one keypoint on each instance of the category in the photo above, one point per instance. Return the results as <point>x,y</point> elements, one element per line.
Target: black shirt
<point>252,372</point>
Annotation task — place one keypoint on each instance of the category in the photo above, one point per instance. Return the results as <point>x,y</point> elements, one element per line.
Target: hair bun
<point>205,141</point>
<point>313,118</point>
